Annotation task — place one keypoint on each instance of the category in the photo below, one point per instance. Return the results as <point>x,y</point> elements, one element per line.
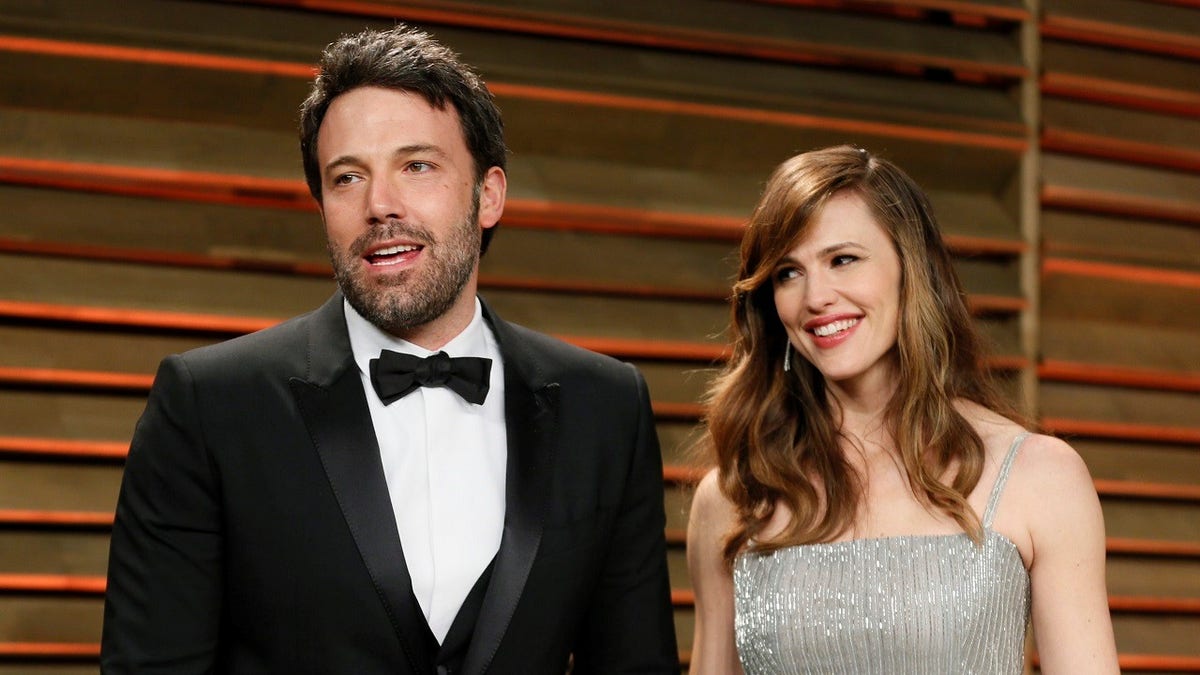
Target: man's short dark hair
<point>404,59</point>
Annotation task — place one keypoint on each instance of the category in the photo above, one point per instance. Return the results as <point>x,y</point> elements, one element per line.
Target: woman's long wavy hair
<point>775,435</point>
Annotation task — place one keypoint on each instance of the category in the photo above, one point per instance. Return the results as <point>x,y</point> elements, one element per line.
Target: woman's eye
<point>840,260</point>
<point>786,273</point>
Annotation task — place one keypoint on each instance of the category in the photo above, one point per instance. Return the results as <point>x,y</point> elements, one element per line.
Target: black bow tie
<point>395,375</point>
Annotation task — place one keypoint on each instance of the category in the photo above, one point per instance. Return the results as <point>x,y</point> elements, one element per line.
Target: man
<point>312,499</point>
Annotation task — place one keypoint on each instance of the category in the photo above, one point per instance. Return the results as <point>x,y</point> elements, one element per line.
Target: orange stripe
<point>1131,432</point>
<point>661,37</point>
<point>622,32</point>
<point>52,583</point>
<point>1159,662</point>
<point>281,193</point>
<point>1151,547</point>
<point>159,183</point>
<point>160,57</point>
<point>63,447</point>
<point>324,270</point>
<point>683,412</point>
<point>677,474</point>
<point>1135,38</point>
<point>49,650</point>
<point>915,9</point>
<point>116,316</point>
<point>1131,273</point>
<point>1099,201</point>
<point>1155,605</point>
<point>1125,94</point>
<point>1094,373</point>
<point>55,518</point>
<point>758,116</point>
<point>1094,145</point>
<point>167,258</point>
<point>683,597</point>
<point>1152,662</point>
<point>1125,488</point>
<point>76,378</point>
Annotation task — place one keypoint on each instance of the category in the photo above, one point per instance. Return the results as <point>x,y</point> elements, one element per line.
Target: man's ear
<point>491,197</point>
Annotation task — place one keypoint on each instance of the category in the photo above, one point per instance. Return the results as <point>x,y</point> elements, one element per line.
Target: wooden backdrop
<point>151,201</point>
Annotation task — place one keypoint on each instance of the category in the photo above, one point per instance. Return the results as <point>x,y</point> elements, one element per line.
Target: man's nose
<point>385,201</point>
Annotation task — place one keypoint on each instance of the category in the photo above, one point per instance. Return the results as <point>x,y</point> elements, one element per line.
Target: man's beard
<point>401,302</point>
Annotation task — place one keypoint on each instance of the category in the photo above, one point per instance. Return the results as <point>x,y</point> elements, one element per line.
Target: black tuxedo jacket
<point>254,531</point>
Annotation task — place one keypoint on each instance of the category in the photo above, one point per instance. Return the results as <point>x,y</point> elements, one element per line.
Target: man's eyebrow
<point>402,151</point>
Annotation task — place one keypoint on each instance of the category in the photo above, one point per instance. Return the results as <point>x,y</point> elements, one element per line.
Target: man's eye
<point>344,179</point>
<point>419,167</point>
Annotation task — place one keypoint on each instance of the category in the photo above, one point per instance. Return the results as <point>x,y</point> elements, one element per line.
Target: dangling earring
<point>787,356</point>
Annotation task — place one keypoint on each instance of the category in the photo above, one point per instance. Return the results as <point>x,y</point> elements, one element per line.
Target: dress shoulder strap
<point>990,512</point>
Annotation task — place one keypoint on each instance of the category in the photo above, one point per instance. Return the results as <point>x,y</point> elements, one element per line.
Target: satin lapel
<point>334,409</point>
<point>531,412</point>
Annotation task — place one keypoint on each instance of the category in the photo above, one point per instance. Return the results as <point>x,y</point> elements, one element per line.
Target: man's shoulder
<point>556,356</point>
<point>286,341</point>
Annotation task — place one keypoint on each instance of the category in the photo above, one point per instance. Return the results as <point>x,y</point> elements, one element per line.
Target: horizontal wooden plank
<point>964,12</point>
<point>680,474</point>
<point>949,137</point>
<point>1102,374</point>
<point>978,302</point>
<point>1154,663</point>
<point>75,379</point>
<point>1153,547</point>
<point>1148,490</point>
<point>1136,274</point>
<point>1127,94</point>
<point>1158,663</point>
<point>811,46</point>
<point>67,584</point>
<point>1119,149</point>
<point>1152,408</point>
<point>1093,238</point>
<point>1121,78</point>
<point>55,519</point>
<point>569,96</point>
<point>1122,431</point>
<point>129,318</point>
<point>293,194</point>
<point>63,447</point>
<point>51,651</point>
<point>1112,203</point>
<point>1124,25</point>
<point>1153,605</point>
<point>164,57</point>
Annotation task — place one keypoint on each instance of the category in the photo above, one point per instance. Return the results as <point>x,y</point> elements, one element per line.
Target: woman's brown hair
<point>772,432</point>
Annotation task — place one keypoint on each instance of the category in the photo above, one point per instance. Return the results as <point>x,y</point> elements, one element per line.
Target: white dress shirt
<point>444,462</point>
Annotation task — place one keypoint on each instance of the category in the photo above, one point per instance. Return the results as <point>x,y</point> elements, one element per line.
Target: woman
<point>871,511</point>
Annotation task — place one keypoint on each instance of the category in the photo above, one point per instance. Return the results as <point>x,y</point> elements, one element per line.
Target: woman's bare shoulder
<point>710,506</point>
<point>995,430</point>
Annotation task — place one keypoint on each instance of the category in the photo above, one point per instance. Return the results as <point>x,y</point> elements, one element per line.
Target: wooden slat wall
<point>1119,364</point>
<point>154,202</point>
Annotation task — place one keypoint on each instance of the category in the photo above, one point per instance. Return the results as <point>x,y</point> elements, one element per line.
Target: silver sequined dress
<point>897,605</point>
